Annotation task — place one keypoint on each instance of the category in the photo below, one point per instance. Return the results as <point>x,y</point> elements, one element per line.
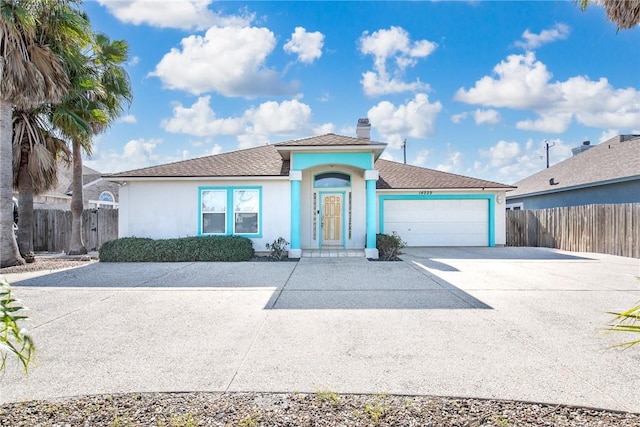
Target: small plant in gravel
<point>277,249</point>
<point>14,339</point>
<point>501,421</point>
<point>375,410</point>
<point>186,420</point>
<point>389,246</point>
<point>250,421</point>
<point>328,396</point>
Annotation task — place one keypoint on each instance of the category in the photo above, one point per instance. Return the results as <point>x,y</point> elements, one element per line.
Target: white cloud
<point>229,60</point>
<point>522,82</point>
<point>253,127</point>
<point>133,61</point>
<point>201,120</point>
<point>421,158</point>
<point>489,117</point>
<point>511,161</point>
<point>392,44</point>
<point>608,134</point>
<point>416,118</point>
<point>308,46</point>
<point>459,118</point>
<point>129,118</point>
<point>501,153</point>
<point>183,14</point>
<point>137,153</point>
<point>533,41</point>
<point>453,164</point>
<point>284,118</point>
<point>324,128</point>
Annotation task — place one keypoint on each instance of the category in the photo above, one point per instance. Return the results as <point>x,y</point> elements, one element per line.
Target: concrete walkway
<point>508,323</point>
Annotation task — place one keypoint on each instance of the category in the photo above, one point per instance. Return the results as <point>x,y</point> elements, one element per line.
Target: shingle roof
<point>328,140</point>
<point>257,161</point>
<point>615,159</point>
<point>394,175</point>
<point>266,161</point>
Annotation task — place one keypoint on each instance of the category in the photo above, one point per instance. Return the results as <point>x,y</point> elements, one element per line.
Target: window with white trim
<point>214,211</point>
<point>246,211</point>
<point>106,196</point>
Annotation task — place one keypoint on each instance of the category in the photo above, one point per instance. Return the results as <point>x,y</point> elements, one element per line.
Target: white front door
<point>331,219</point>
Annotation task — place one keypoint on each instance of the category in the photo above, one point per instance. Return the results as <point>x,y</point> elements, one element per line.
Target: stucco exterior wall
<point>623,192</point>
<point>169,209</point>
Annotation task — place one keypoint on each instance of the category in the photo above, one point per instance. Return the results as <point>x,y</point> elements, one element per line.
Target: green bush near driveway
<point>186,249</point>
<point>389,246</point>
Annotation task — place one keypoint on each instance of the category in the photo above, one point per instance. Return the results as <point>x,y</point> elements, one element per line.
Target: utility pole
<point>404,149</point>
<point>547,149</point>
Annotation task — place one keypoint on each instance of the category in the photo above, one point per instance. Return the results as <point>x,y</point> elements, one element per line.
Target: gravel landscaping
<point>319,409</point>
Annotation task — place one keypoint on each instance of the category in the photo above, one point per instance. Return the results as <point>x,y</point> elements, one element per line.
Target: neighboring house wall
<point>92,191</point>
<point>623,192</point>
<point>170,209</point>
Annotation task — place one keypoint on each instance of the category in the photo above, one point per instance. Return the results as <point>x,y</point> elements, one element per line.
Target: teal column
<point>294,245</point>
<point>371,177</point>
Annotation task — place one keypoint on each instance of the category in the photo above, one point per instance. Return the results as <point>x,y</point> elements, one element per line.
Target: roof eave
<point>195,178</point>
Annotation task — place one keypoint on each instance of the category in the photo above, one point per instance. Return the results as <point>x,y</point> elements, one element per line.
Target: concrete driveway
<point>508,323</point>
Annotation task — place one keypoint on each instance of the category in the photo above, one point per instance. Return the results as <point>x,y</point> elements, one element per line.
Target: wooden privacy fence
<point>605,229</point>
<point>52,229</point>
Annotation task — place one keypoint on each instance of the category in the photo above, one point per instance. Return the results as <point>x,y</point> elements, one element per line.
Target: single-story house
<point>97,192</point>
<point>605,173</point>
<point>326,192</point>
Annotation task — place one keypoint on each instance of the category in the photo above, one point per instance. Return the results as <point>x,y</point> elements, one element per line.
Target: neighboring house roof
<point>266,161</point>
<point>615,160</point>
<point>394,175</point>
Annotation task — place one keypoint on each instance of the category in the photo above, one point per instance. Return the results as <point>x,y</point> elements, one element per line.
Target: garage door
<point>438,222</point>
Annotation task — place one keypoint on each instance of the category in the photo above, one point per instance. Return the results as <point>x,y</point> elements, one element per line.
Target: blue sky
<point>475,88</point>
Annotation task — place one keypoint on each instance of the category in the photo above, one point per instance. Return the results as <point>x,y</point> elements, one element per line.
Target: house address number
<point>425,193</point>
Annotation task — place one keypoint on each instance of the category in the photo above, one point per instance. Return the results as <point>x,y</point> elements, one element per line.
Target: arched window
<point>106,196</point>
<point>332,179</point>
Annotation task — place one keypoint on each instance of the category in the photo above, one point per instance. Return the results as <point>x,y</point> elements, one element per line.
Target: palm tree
<point>624,13</point>
<point>35,158</point>
<point>100,88</point>
<point>31,74</point>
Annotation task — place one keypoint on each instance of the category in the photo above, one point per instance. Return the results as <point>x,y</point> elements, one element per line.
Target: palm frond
<point>626,321</point>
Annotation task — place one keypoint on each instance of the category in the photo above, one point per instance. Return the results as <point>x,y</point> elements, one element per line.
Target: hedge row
<point>187,249</point>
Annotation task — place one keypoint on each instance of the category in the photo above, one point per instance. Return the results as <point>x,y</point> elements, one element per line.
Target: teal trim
<point>489,197</point>
<point>295,215</point>
<point>338,172</point>
<point>344,217</point>
<point>301,161</point>
<point>230,225</point>
<point>371,214</point>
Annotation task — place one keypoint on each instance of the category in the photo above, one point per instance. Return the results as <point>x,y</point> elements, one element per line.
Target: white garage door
<point>438,222</point>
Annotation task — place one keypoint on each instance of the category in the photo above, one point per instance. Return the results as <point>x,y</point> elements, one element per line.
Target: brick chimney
<point>363,130</point>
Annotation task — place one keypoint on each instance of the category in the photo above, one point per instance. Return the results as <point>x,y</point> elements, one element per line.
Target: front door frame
<point>344,219</point>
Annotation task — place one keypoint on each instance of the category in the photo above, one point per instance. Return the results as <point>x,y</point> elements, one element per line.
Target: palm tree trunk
<point>25,210</point>
<point>76,247</point>
<point>9,254</point>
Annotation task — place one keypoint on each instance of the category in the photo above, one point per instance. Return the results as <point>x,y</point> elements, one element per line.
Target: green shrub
<point>389,246</point>
<point>186,249</point>
<point>278,249</point>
